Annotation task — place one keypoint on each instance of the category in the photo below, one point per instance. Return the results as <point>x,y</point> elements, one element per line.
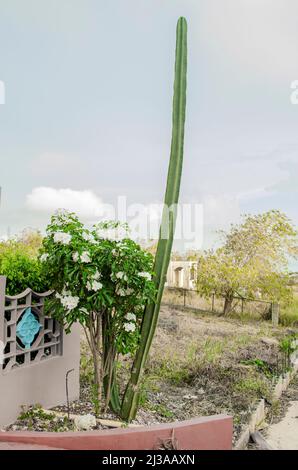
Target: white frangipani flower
<point>89,285</point>
<point>75,256</point>
<point>85,257</point>
<point>68,301</point>
<point>123,292</point>
<point>129,291</point>
<point>112,233</point>
<point>64,293</point>
<point>121,275</point>
<point>88,237</point>
<point>130,316</point>
<point>146,275</point>
<point>96,275</point>
<point>129,327</point>
<point>62,213</point>
<point>94,285</point>
<point>61,216</point>
<point>120,291</point>
<point>62,237</point>
<point>121,233</point>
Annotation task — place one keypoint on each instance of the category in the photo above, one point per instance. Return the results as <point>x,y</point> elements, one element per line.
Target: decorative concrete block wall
<point>36,355</point>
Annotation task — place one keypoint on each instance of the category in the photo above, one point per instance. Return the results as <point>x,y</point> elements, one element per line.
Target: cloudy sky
<point>88,105</point>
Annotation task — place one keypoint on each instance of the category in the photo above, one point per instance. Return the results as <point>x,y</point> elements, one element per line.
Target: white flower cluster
<point>62,237</point>
<point>121,275</point>
<point>130,325</point>
<point>84,257</point>
<point>112,234</point>
<point>68,301</point>
<point>61,216</point>
<point>145,275</point>
<point>63,213</point>
<point>94,284</point>
<point>88,237</point>
<point>124,292</point>
<point>130,316</point>
<point>96,275</point>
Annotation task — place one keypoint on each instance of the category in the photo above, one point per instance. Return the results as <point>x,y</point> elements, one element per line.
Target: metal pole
<point>67,394</point>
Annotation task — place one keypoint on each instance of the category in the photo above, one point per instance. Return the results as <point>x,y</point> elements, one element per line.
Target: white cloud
<point>45,199</point>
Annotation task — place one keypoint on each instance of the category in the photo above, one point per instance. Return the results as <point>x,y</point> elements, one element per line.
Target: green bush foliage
<point>19,263</point>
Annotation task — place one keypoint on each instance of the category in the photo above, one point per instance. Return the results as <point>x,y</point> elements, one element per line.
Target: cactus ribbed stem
<point>164,247</point>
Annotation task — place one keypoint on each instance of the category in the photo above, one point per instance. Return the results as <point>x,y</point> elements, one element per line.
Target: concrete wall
<point>41,381</point>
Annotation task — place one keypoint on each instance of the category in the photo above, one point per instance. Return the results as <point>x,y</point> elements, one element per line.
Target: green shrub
<point>21,268</point>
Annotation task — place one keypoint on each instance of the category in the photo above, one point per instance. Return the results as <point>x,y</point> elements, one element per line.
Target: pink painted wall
<point>206,433</point>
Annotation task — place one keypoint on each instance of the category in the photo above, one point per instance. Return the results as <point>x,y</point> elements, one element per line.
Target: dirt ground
<point>203,364</point>
<point>199,365</point>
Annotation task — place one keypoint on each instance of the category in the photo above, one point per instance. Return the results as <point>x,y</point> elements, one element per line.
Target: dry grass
<point>201,364</point>
<point>250,310</point>
<point>254,309</point>
<point>289,313</point>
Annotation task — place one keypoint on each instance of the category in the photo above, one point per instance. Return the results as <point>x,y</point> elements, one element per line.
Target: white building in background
<point>182,274</point>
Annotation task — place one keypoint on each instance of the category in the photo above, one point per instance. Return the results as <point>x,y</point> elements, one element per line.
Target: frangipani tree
<point>135,268</point>
<point>101,279</point>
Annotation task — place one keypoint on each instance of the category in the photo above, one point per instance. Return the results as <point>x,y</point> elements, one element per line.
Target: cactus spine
<point>163,253</point>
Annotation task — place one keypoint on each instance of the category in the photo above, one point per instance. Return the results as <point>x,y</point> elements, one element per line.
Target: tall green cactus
<point>164,247</point>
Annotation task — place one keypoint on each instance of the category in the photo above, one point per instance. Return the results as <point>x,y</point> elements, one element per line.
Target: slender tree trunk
<point>110,380</point>
<point>228,305</point>
<point>97,381</point>
<point>109,359</point>
<point>93,335</point>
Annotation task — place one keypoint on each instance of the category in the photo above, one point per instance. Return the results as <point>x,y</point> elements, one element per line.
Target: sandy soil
<point>284,435</point>
<point>282,432</point>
